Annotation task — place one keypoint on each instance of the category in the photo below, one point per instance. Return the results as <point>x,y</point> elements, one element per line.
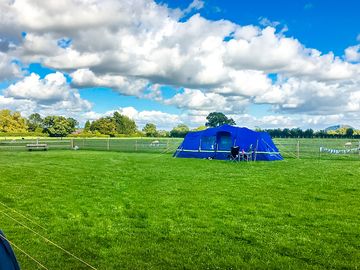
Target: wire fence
<point>289,147</point>
<point>318,148</point>
<point>151,145</point>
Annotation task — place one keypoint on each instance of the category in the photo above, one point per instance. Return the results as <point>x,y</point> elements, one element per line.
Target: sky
<point>266,64</point>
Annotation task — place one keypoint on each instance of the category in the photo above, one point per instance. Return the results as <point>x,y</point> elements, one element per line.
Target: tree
<point>87,126</point>
<point>59,126</point>
<point>104,125</point>
<point>150,130</point>
<point>124,125</point>
<point>163,133</point>
<point>179,131</point>
<point>35,122</point>
<point>309,133</point>
<point>216,119</point>
<point>349,132</point>
<point>12,122</point>
<point>73,123</point>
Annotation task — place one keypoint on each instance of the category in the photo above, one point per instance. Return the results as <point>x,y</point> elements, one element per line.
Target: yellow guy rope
<point>51,242</point>
<point>22,215</point>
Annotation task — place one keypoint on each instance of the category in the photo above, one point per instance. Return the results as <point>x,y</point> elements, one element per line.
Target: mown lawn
<point>150,211</point>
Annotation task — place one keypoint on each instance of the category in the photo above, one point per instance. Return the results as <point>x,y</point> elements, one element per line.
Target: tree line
<point>118,125</point>
<point>309,133</point>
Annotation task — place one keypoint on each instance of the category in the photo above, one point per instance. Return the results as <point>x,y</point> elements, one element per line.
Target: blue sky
<point>264,63</point>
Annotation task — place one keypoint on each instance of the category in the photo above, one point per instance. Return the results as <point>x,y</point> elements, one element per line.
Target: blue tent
<point>7,257</point>
<point>216,143</point>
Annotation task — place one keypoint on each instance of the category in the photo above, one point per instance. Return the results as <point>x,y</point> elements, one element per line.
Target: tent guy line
<point>49,241</point>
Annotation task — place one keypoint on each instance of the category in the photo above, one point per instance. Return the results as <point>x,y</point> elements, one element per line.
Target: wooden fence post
<point>108,144</point>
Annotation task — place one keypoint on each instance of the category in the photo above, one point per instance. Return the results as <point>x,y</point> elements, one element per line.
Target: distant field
<point>150,211</point>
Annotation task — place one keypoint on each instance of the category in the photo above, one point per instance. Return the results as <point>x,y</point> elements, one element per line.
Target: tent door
<point>223,141</point>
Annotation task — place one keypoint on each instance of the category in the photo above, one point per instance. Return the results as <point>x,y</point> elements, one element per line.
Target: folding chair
<point>235,153</point>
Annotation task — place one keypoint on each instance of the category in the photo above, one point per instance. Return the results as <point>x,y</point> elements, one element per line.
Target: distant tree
<point>73,122</point>
<point>87,126</point>
<point>349,132</point>
<point>286,133</point>
<point>309,133</point>
<point>296,133</point>
<point>104,125</point>
<point>163,133</point>
<point>179,131</point>
<point>124,125</point>
<point>12,122</point>
<point>216,119</point>
<point>150,130</point>
<point>58,126</point>
<point>35,122</point>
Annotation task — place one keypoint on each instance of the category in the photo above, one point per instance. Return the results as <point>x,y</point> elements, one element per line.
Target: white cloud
<point>8,69</point>
<point>51,95</point>
<point>266,22</point>
<point>162,120</point>
<point>123,85</point>
<point>21,105</point>
<point>352,54</point>
<point>129,45</point>
<point>52,88</point>
<point>194,5</point>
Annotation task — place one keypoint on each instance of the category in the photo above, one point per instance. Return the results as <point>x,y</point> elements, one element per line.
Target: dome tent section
<point>216,143</point>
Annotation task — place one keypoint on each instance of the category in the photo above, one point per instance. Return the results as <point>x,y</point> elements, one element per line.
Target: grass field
<point>149,211</point>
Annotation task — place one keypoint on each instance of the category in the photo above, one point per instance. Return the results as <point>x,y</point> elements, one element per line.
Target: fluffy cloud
<point>195,99</point>
<point>132,46</point>
<point>123,85</point>
<point>8,69</point>
<point>352,53</point>
<point>51,95</point>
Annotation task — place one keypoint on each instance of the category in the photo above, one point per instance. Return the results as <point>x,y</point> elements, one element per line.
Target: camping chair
<point>235,153</point>
<point>7,257</point>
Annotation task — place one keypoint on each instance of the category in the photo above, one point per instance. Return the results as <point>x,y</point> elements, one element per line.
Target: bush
<point>23,134</point>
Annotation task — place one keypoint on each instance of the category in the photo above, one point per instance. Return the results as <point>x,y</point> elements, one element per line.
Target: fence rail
<point>289,147</point>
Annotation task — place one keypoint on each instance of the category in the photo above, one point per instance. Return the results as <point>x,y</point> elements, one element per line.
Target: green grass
<point>150,211</point>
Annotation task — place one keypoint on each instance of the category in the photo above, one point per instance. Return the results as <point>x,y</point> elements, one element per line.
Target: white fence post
<point>108,144</point>
<point>298,149</point>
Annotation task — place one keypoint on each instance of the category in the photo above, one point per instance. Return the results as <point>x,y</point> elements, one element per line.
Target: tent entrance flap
<point>208,143</point>
<point>223,140</point>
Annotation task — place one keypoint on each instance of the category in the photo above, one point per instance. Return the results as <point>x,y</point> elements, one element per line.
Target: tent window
<point>224,141</point>
<point>208,143</point>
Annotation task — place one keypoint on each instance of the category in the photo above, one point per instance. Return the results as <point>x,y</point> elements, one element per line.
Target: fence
<point>319,148</point>
<point>289,148</point>
<point>155,145</point>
